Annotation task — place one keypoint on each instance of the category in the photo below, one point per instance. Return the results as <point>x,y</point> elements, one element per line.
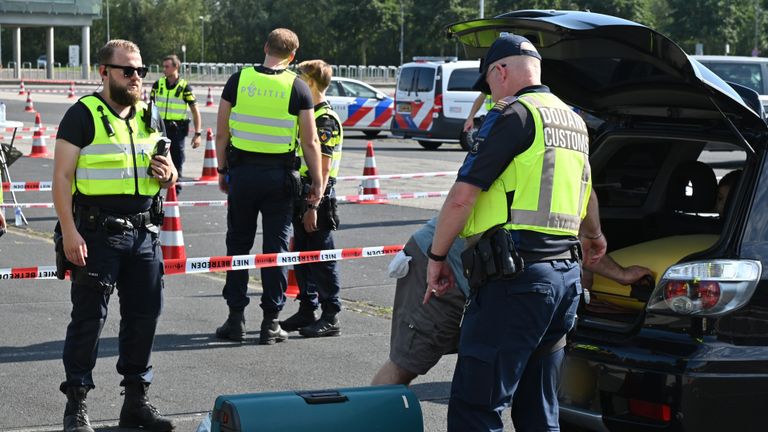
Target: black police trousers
<point>131,262</point>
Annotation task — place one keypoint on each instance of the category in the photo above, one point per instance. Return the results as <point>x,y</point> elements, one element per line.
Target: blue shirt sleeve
<point>502,136</point>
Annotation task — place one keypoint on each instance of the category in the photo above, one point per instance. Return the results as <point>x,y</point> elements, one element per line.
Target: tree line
<point>368,32</point>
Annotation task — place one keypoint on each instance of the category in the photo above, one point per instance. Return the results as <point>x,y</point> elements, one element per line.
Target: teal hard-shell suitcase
<point>392,408</point>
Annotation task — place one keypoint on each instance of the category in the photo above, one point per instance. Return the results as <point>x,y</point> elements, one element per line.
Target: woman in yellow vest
<point>519,199</point>
<point>313,225</point>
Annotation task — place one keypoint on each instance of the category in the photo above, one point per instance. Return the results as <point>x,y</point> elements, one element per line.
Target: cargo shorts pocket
<point>475,381</point>
<point>421,330</point>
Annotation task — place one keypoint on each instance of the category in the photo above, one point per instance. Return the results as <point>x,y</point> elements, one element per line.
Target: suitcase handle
<point>322,397</point>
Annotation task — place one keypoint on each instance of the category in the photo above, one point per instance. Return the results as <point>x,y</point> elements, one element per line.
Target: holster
<point>157,211</point>
<point>328,209</point>
<point>62,263</point>
<point>494,256</point>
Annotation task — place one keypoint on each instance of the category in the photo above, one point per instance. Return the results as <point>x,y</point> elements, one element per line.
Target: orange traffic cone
<point>209,101</point>
<point>209,159</point>
<point>39,148</point>
<point>171,235</point>
<point>22,90</point>
<point>29,107</point>
<point>371,187</point>
<point>71,92</point>
<point>292,290</point>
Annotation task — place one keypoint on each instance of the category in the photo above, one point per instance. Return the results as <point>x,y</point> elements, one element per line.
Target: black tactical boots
<point>271,331</point>
<point>304,317</point>
<point>76,413</point>
<point>234,327</point>
<point>137,412</point>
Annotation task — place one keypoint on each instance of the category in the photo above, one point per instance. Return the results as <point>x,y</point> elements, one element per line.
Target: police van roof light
<point>424,59</point>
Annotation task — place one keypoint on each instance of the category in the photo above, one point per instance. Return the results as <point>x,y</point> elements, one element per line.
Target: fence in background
<point>207,72</point>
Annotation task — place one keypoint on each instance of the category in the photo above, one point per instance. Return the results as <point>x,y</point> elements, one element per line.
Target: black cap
<point>505,46</point>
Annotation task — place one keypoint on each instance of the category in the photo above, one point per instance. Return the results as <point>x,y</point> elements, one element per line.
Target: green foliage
<point>368,32</point>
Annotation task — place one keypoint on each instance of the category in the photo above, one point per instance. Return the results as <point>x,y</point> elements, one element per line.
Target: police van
<point>433,99</point>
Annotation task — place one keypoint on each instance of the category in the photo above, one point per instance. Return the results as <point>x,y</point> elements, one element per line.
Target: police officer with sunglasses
<point>106,185</point>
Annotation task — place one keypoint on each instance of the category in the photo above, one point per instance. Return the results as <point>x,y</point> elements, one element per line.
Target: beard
<point>122,95</point>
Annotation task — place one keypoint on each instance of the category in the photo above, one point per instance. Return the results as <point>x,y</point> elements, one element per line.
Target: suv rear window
<point>463,79</point>
<point>746,74</point>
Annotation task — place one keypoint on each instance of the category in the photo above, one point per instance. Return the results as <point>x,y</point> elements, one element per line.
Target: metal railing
<point>203,72</point>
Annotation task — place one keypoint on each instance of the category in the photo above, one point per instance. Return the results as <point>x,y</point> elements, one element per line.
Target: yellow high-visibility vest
<point>117,164</point>
<point>260,121</point>
<point>170,101</point>
<point>335,141</point>
<point>551,180</point>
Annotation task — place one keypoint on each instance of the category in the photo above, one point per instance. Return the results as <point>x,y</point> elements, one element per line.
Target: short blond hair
<point>282,42</point>
<point>106,52</point>
<point>318,71</point>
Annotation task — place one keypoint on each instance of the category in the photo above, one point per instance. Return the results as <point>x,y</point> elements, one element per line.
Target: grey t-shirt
<point>423,238</point>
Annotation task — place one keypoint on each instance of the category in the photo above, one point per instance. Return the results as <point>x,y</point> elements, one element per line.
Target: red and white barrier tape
<point>46,185</point>
<point>349,178</point>
<point>223,203</point>
<point>226,263</point>
<point>25,137</point>
<point>30,129</point>
<point>27,186</point>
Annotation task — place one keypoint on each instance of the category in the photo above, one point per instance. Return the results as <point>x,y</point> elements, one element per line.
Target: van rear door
<point>414,100</point>
<point>458,96</point>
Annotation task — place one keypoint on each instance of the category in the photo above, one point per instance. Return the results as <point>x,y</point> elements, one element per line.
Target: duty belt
<point>95,218</point>
<point>573,253</point>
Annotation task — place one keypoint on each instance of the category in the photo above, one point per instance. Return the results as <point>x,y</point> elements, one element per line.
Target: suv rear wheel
<point>430,145</point>
<point>371,134</point>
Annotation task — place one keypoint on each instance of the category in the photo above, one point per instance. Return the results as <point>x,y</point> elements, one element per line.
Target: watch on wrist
<point>197,134</point>
<point>434,257</point>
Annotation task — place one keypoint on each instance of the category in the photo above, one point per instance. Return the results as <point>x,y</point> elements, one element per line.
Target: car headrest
<point>703,188</point>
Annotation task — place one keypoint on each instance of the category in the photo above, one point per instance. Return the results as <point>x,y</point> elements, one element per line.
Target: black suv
<point>687,351</point>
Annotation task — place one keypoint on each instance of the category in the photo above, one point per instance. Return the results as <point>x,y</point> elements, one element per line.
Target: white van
<point>433,98</point>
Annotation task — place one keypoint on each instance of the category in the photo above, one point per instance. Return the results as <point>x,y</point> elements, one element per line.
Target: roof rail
<point>445,59</point>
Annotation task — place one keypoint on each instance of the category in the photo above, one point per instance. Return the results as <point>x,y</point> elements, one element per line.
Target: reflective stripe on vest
<point>260,121</point>
<point>489,103</point>
<point>170,101</point>
<point>551,180</point>
<point>336,142</point>
<point>116,165</point>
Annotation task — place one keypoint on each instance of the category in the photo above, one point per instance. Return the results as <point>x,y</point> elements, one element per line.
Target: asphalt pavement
<point>191,366</point>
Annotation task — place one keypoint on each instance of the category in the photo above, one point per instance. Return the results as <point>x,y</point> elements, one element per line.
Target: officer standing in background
<point>172,94</point>
<point>521,194</point>
<point>313,225</point>
<point>263,110</point>
<point>106,185</point>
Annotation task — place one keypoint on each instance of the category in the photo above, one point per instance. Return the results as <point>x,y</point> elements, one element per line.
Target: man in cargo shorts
<point>422,333</point>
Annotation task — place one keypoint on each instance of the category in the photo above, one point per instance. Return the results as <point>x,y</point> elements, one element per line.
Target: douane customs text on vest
<point>564,129</point>
<point>254,91</point>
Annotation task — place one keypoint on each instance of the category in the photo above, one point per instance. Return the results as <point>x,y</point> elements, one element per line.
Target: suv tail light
<point>705,288</point>
<point>438,107</point>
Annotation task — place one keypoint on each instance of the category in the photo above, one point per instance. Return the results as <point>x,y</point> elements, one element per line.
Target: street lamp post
<point>202,39</point>
<point>184,61</point>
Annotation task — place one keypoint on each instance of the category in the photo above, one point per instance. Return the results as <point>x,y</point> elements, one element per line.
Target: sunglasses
<point>128,71</point>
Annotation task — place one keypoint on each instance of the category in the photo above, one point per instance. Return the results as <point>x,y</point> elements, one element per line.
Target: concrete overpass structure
<point>17,14</point>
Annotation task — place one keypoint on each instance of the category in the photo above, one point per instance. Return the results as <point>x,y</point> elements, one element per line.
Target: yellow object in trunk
<point>657,255</point>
